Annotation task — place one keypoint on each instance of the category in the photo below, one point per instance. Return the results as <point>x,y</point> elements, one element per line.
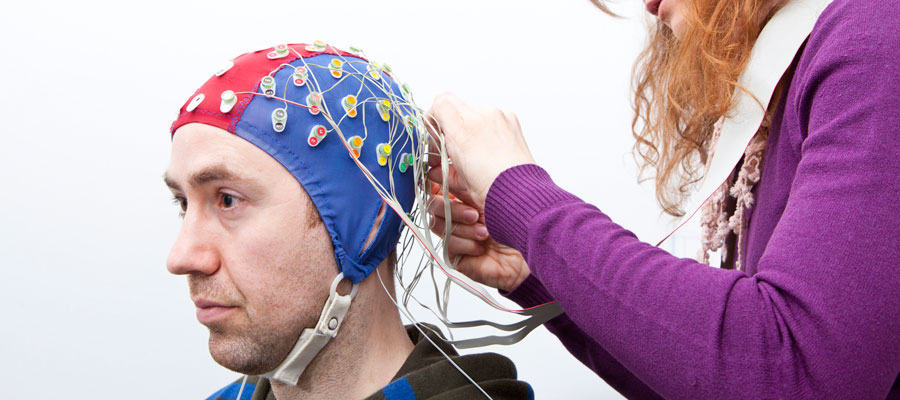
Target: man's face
<point>258,260</point>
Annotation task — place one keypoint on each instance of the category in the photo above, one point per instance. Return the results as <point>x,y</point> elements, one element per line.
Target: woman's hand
<point>481,143</point>
<point>479,257</point>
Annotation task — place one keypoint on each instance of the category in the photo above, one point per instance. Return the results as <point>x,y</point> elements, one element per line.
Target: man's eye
<point>181,202</point>
<point>228,201</point>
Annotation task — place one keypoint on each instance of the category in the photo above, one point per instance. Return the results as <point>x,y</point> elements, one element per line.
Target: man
<point>283,230</point>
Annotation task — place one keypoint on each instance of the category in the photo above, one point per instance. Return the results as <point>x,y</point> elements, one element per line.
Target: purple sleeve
<point>531,293</point>
<point>821,317</point>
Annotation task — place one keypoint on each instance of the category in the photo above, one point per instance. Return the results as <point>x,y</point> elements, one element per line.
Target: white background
<point>89,90</point>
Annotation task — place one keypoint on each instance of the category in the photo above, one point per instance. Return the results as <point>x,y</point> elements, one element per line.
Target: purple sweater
<point>817,312</point>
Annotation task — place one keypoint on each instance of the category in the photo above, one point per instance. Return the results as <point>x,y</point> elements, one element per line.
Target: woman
<point>808,305</point>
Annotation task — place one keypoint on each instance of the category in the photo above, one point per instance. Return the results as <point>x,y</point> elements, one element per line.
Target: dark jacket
<point>425,374</point>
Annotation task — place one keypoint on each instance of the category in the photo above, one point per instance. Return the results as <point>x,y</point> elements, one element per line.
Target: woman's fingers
<point>447,112</point>
<point>464,247</point>
<point>454,181</point>
<point>466,197</point>
<point>459,212</point>
<point>474,269</point>
<point>457,189</point>
<point>475,231</point>
<point>458,245</point>
<point>434,133</point>
<point>446,115</point>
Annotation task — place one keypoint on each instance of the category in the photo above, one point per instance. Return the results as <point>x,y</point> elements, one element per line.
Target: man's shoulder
<point>428,374</point>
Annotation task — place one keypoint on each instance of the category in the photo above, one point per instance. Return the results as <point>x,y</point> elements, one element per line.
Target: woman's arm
<point>820,318</point>
<point>531,293</point>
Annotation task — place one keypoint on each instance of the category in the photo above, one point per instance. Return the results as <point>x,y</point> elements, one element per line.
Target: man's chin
<point>241,354</point>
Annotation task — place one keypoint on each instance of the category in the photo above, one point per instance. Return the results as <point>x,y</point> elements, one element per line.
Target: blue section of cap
<point>398,390</point>
<point>345,199</point>
<point>230,392</point>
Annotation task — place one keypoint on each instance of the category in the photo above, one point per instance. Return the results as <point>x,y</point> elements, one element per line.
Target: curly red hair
<point>682,86</point>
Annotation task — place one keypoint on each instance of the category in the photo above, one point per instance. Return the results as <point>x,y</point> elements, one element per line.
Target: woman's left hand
<point>480,142</point>
<point>477,255</point>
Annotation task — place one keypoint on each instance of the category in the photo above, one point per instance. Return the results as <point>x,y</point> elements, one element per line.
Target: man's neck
<point>369,349</point>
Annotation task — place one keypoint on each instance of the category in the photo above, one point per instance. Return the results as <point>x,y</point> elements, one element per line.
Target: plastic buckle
<point>313,340</point>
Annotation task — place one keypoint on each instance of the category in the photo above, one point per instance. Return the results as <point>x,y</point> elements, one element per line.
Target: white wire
<point>415,322</point>
<point>240,392</point>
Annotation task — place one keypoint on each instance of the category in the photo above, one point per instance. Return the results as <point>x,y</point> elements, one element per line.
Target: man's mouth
<point>209,311</point>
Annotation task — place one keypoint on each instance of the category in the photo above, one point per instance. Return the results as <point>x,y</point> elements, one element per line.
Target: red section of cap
<point>244,76</point>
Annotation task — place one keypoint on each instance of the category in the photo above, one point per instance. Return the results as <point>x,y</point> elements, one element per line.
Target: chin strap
<point>312,341</point>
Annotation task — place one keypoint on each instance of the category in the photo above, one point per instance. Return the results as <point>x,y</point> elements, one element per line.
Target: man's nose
<point>194,250</point>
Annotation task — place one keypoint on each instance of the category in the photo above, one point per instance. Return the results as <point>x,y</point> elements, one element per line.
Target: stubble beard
<point>246,342</point>
<point>251,351</point>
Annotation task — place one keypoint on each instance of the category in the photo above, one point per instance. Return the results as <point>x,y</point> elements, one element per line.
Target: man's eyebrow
<point>213,173</point>
<point>171,182</point>
<point>205,175</point>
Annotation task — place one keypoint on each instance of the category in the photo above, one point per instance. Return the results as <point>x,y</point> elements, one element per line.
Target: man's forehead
<point>202,154</point>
